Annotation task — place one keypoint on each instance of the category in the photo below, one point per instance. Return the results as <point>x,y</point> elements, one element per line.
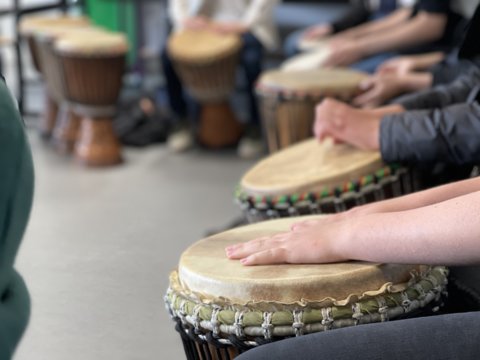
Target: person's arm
<point>424,27</point>
<point>443,95</point>
<point>381,88</point>
<point>406,64</point>
<point>450,135</point>
<point>444,233</point>
<point>374,27</point>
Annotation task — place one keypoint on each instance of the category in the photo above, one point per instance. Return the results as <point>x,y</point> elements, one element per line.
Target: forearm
<point>373,27</point>
<point>419,30</point>
<point>426,61</point>
<point>445,233</point>
<point>416,81</point>
<point>421,198</point>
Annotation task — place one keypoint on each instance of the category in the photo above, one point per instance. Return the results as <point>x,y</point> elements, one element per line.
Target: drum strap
<point>94,111</point>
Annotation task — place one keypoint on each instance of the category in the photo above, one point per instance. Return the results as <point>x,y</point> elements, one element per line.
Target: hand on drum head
<point>311,242</point>
<point>317,32</point>
<point>400,66</point>
<point>343,52</point>
<point>344,123</point>
<point>196,23</point>
<point>379,89</point>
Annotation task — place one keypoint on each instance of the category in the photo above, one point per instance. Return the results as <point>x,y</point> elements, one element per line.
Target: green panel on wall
<point>116,16</point>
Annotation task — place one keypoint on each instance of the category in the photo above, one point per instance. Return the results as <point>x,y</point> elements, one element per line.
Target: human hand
<point>343,123</point>
<point>379,89</point>
<point>229,27</point>
<point>343,52</point>
<point>317,32</point>
<point>401,65</point>
<point>316,242</point>
<point>196,23</point>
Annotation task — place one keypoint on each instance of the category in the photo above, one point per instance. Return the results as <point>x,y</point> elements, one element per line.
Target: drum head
<point>98,44</point>
<point>309,166</point>
<point>31,24</point>
<point>312,82</point>
<point>312,60</point>
<point>201,46</point>
<point>206,272</point>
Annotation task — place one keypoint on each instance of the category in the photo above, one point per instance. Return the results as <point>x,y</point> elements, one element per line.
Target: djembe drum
<point>222,308</point>
<point>29,27</point>
<point>93,67</point>
<point>206,63</point>
<point>66,127</point>
<point>288,100</point>
<point>313,178</point>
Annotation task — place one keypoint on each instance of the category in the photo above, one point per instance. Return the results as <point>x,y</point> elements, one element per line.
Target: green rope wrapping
<point>421,290</point>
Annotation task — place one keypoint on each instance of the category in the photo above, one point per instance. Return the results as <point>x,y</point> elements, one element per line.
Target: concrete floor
<point>101,243</point>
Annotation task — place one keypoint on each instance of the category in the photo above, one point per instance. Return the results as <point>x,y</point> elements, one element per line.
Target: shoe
<point>181,140</point>
<point>249,148</point>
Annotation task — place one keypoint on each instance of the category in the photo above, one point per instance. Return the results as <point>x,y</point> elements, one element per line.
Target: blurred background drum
<point>206,63</point>
<point>288,100</point>
<point>222,308</point>
<point>93,67</point>
<point>313,178</point>
<point>31,26</point>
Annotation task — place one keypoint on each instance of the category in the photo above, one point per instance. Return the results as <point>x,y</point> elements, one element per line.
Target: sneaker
<point>181,140</point>
<point>249,148</point>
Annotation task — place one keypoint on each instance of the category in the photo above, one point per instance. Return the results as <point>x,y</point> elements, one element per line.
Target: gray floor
<point>101,243</point>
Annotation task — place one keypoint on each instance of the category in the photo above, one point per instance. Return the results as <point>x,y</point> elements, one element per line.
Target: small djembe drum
<point>29,27</point>
<point>222,308</point>
<point>313,178</point>
<point>206,63</point>
<point>288,101</point>
<point>93,68</point>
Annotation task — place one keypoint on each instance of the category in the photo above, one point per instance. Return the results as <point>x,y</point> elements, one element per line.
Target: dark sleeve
<point>434,6</point>
<point>357,15</point>
<point>442,95</point>
<point>450,135</point>
<point>445,73</point>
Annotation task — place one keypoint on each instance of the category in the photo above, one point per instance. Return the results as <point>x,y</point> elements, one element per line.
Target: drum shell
<point>93,80</point>
<point>32,45</point>
<point>51,66</point>
<point>209,81</point>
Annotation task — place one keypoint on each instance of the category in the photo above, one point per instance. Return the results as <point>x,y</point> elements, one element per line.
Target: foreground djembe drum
<point>93,67</point>
<point>30,27</point>
<point>314,178</point>
<point>222,308</point>
<point>288,101</point>
<point>206,63</point>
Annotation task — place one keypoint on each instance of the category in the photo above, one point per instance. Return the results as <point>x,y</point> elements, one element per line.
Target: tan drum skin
<point>309,166</point>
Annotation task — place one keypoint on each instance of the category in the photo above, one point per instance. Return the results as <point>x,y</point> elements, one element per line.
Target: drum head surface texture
<point>309,166</point>
<point>201,46</point>
<point>31,24</point>
<point>205,271</point>
<point>311,60</point>
<point>101,43</point>
<point>311,81</point>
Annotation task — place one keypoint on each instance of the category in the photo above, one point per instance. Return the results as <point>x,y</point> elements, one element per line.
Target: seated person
<point>253,21</point>
<point>16,191</point>
<point>428,26</point>
<point>436,226</point>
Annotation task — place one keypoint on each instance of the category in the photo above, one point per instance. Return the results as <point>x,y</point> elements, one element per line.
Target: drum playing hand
<point>379,89</point>
<point>228,27</point>
<point>317,32</point>
<point>312,243</point>
<point>400,66</point>
<point>343,52</point>
<point>196,23</point>
<point>344,123</point>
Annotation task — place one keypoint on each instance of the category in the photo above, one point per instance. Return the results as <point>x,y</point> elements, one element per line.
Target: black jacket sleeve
<point>443,95</point>
<point>356,15</point>
<point>450,135</point>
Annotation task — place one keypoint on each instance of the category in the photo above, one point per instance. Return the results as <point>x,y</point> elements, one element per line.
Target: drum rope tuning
<point>244,323</point>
